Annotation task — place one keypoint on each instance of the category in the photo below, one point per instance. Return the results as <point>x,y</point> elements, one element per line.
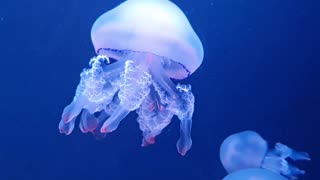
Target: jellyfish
<point>142,47</point>
<point>246,155</point>
<point>254,174</point>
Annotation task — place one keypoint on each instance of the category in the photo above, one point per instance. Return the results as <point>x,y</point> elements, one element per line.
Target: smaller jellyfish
<point>246,155</point>
<point>254,174</point>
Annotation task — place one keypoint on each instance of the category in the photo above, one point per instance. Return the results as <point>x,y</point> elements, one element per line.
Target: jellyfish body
<point>254,174</point>
<point>246,154</point>
<point>152,41</point>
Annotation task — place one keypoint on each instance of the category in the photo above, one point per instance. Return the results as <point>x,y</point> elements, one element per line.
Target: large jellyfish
<point>245,155</point>
<point>151,42</point>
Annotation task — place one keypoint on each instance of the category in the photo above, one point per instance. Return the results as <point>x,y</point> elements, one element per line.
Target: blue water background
<point>260,72</point>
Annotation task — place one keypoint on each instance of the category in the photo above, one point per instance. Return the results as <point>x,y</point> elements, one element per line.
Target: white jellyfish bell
<point>152,41</point>
<point>156,27</point>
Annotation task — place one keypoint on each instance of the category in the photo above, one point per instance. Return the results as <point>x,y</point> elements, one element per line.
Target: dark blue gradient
<point>260,72</point>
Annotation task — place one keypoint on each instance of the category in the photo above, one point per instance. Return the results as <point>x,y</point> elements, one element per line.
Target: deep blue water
<point>260,72</point>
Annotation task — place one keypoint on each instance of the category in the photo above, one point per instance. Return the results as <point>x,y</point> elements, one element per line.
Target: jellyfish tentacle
<point>275,160</point>
<point>71,111</point>
<point>68,127</point>
<point>114,120</point>
<point>93,93</point>
<point>161,80</point>
<point>153,117</point>
<point>146,112</point>
<point>184,108</point>
<point>178,100</point>
<point>100,118</point>
<point>286,151</point>
<point>134,88</point>
<point>111,71</point>
<point>98,89</point>
<point>185,142</point>
<point>88,122</point>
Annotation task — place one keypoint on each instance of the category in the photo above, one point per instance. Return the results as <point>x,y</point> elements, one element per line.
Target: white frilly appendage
<point>156,112</point>
<point>107,93</point>
<point>275,160</point>
<point>95,93</point>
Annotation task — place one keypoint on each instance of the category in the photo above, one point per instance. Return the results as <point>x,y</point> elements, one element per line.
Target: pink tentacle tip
<point>151,140</point>
<point>92,127</point>
<point>67,117</point>
<point>64,131</point>
<point>183,151</point>
<point>147,142</point>
<point>144,144</point>
<point>104,129</point>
